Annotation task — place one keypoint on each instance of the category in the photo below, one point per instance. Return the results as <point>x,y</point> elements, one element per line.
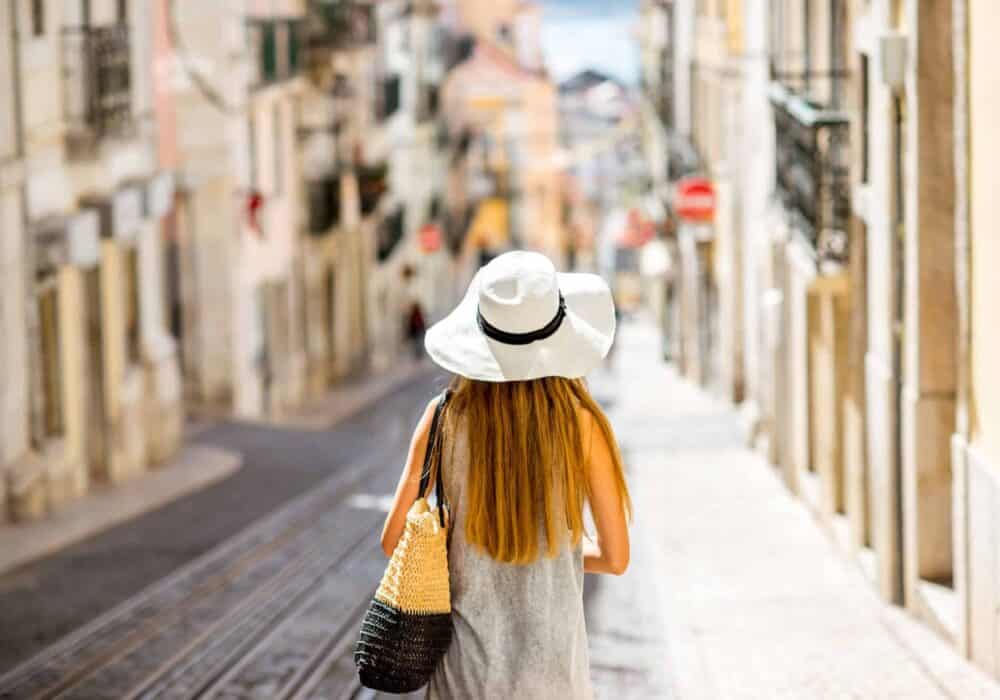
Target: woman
<point>525,447</point>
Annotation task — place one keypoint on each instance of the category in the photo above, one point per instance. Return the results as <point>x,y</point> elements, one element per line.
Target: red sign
<point>694,200</point>
<point>430,238</point>
<point>637,232</point>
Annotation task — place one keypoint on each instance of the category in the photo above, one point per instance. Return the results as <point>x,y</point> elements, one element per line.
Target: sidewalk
<point>194,468</point>
<point>757,602</point>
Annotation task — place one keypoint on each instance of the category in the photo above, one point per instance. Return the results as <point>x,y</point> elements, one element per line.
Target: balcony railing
<point>98,81</point>
<point>684,158</point>
<point>456,48</point>
<point>388,97</point>
<point>428,102</point>
<point>372,184</point>
<point>324,204</point>
<point>390,232</point>
<point>456,226</point>
<point>340,24</point>
<point>811,146</point>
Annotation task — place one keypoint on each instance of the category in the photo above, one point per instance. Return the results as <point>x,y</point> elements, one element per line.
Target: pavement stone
<point>757,601</point>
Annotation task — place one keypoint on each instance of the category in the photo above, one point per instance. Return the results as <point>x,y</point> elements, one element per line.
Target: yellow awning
<point>489,227</point>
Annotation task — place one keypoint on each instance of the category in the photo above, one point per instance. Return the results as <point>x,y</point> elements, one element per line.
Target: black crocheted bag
<point>407,628</point>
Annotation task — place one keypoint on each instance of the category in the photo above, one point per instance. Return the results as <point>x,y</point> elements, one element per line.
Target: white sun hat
<point>522,320</point>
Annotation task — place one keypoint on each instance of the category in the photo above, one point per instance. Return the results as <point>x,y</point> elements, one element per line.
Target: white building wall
<point>756,181</point>
<point>684,53</point>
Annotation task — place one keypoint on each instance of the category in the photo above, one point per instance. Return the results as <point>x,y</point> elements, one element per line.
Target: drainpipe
<point>963,252</point>
<point>893,50</point>
<point>899,282</point>
<point>15,62</point>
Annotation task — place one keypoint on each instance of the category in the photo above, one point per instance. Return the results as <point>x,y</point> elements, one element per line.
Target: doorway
<point>94,366</point>
<point>47,406</point>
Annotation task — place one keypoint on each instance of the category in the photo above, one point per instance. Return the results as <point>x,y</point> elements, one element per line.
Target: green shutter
<point>268,52</point>
<point>293,48</point>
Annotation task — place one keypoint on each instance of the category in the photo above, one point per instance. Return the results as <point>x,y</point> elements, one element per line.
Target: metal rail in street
<point>245,583</point>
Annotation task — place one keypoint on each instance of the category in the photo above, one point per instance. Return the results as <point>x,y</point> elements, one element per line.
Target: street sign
<point>694,200</point>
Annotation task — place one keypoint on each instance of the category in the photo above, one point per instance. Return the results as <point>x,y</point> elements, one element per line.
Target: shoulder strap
<point>434,449</point>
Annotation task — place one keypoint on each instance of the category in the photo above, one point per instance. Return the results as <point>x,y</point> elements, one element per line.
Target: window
<point>390,96</point>
<point>37,17</point>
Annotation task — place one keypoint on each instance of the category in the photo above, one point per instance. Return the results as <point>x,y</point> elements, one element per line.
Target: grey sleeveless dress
<point>519,630</point>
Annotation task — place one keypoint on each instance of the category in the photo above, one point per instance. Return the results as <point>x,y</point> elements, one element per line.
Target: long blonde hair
<point>527,463</point>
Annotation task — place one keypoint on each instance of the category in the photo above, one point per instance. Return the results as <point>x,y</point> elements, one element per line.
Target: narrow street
<point>253,587</point>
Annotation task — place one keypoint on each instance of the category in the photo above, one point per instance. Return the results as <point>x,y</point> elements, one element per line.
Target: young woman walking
<point>525,448</point>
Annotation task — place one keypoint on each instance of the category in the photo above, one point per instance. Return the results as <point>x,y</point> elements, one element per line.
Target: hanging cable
<point>201,83</point>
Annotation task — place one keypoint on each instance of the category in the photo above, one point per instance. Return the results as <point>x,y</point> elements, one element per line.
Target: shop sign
<point>694,200</point>
<point>430,238</point>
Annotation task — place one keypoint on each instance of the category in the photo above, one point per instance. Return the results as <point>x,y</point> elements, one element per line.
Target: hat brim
<point>584,339</point>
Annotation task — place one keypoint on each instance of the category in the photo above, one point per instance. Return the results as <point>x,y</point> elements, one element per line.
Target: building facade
<point>976,441</point>
<point>503,114</point>
<point>223,207</point>
<point>850,254</point>
<point>92,389</point>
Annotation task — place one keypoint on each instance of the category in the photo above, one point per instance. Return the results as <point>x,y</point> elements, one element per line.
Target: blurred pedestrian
<point>416,326</point>
<point>523,446</point>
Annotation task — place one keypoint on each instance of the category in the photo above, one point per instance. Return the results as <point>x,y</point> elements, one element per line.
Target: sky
<point>599,34</point>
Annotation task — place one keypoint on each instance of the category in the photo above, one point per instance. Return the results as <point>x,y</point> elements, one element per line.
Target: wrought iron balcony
<point>340,24</point>
<point>387,98</point>
<point>98,83</point>
<point>811,147</point>
<point>684,158</point>
<point>324,204</point>
<point>372,184</point>
<point>456,226</point>
<point>428,102</point>
<point>389,234</point>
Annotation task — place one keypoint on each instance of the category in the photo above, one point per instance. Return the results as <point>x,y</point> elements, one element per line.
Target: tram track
<point>79,665</point>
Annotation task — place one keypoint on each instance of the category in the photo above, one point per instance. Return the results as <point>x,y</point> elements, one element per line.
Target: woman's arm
<point>609,553</point>
<point>409,482</point>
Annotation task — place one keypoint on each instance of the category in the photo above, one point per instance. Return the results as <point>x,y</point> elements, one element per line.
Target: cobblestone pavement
<point>758,603</point>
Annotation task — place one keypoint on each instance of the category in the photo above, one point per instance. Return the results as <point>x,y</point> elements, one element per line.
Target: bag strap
<point>432,443</point>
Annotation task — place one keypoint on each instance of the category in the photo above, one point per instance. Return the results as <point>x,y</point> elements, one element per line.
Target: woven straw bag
<point>407,628</point>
